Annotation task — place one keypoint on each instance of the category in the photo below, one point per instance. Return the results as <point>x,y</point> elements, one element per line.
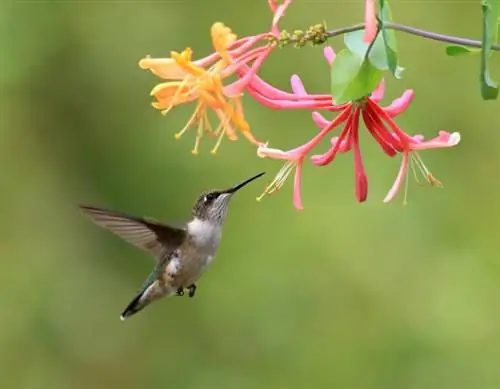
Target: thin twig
<point>415,31</point>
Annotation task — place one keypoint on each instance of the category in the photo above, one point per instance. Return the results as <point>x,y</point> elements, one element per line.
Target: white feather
<point>205,233</point>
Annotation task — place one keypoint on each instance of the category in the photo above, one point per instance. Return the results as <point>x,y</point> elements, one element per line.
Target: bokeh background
<point>340,295</point>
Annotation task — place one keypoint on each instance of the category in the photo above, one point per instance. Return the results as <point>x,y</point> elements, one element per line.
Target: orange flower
<point>202,81</point>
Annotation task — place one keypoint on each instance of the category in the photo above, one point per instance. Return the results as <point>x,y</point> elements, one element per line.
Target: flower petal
<point>297,86</point>
<point>297,184</point>
<point>279,12</point>
<point>329,54</point>
<point>266,152</point>
<point>319,120</point>
<point>222,37</point>
<point>378,93</point>
<point>370,21</point>
<point>400,104</point>
<point>399,178</point>
<point>165,68</point>
<point>339,144</point>
<point>444,139</point>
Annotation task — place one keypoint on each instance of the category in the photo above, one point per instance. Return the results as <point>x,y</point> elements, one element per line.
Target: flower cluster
<point>380,124</point>
<point>205,82</point>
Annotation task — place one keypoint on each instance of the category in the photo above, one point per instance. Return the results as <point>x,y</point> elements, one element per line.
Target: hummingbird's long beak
<point>241,185</point>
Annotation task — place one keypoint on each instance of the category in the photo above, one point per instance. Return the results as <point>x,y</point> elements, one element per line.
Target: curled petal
<point>165,68</point>
<point>319,120</point>
<point>297,86</point>
<point>343,147</point>
<point>399,178</point>
<point>222,37</point>
<point>418,138</point>
<point>329,54</point>
<point>378,93</point>
<point>444,139</point>
<point>400,104</point>
<point>279,12</point>
<point>266,152</point>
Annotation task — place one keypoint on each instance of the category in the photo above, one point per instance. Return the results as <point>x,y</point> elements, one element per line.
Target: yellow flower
<point>201,81</point>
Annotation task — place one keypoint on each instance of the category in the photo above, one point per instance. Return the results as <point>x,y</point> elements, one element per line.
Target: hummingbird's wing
<point>145,233</point>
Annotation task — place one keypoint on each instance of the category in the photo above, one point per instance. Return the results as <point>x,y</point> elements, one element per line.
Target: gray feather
<point>147,234</point>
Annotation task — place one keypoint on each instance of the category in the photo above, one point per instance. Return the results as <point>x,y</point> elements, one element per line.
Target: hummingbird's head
<point>213,205</point>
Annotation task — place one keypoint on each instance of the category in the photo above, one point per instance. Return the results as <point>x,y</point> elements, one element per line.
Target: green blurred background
<point>340,295</point>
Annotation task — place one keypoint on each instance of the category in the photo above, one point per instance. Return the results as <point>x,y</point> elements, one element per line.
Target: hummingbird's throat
<point>204,232</point>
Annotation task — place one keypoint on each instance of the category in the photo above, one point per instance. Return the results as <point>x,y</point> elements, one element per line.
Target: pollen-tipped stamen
<point>279,180</point>
<point>199,135</point>
<point>429,177</point>
<point>414,171</point>
<point>195,117</point>
<point>221,132</point>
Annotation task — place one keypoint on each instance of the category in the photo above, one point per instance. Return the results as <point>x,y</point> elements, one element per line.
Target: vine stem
<point>415,31</point>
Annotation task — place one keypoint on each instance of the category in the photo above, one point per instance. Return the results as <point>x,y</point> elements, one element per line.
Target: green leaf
<point>491,15</point>
<point>456,50</point>
<point>383,52</point>
<point>356,44</point>
<point>352,77</point>
<point>389,36</point>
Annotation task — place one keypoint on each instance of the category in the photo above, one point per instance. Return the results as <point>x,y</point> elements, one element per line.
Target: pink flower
<point>409,146</point>
<point>347,140</point>
<point>444,139</point>
<point>370,21</point>
<point>274,98</point>
<point>377,119</point>
<point>295,159</point>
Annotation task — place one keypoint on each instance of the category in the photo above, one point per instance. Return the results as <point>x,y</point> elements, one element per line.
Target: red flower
<point>378,120</point>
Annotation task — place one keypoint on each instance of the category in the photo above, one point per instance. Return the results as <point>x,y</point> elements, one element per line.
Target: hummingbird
<point>182,253</point>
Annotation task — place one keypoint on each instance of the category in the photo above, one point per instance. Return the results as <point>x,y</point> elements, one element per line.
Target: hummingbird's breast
<point>196,253</point>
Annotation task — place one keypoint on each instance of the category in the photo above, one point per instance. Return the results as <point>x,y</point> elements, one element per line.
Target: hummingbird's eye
<point>209,197</point>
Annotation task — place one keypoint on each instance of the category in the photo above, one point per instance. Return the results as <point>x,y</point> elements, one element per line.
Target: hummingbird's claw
<point>180,292</point>
<point>192,290</point>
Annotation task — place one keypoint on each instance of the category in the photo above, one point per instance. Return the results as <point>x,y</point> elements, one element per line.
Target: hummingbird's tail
<point>136,305</point>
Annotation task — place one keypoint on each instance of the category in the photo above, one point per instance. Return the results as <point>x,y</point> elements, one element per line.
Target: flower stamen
<point>279,179</point>
<point>429,177</point>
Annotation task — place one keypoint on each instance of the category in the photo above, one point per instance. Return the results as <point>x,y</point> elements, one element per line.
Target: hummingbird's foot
<point>180,292</point>
<point>192,290</point>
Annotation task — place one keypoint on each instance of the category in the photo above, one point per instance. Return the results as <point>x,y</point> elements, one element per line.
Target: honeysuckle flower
<point>377,119</point>
<point>202,80</point>
<point>347,140</point>
<point>370,21</point>
<point>410,156</point>
<point>275,98</point>
<point>371,120</point>
<point>294,159</point>
<point>408,147</point>
<point>391,143</point>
